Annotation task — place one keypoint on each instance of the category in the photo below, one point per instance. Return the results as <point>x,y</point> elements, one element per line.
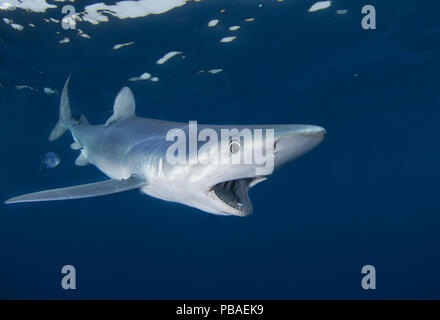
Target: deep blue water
<point>367,195</point>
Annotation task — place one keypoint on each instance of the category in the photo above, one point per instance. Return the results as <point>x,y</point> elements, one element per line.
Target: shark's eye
<point>234,146</point>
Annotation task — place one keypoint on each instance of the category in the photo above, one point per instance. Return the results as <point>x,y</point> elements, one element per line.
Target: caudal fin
<point>65,120</point>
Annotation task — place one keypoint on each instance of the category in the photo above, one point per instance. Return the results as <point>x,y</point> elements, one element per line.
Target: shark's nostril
<point>276,147</point>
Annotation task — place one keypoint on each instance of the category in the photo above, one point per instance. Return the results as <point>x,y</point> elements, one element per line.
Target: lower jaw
<point>242,207</point>
<point>234,195</point>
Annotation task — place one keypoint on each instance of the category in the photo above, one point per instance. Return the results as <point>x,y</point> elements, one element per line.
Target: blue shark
<point>132,152</point>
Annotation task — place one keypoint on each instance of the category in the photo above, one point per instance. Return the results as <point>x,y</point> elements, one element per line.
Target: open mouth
<point>234,193</point>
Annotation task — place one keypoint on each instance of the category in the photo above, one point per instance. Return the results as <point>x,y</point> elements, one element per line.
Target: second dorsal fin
<point>124,106</point>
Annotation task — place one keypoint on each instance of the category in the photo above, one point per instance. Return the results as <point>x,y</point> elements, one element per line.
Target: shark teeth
<point>234,193</point>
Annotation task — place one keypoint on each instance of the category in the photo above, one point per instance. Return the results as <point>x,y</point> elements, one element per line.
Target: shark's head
<point>221,187</point>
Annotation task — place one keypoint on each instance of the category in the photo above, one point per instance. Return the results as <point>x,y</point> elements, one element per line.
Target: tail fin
<point>65,120</point>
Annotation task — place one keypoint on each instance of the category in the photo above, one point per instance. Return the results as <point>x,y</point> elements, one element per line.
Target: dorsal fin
<point>124,106</point>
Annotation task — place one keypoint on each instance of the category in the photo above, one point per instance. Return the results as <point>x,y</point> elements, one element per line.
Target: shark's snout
<point>312,134</point>
<point>292,141</point>
<point>316,131</point>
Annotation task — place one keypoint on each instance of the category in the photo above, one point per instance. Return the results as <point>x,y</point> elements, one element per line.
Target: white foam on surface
<point>31,5</point>
<point>168,56</point>
<point>13,25</point>
<point>120,45</point>
<point>214,71</point>
<point>143,76</point>
<point>25,87</point>
<point>228,39</point>
<point>17,26</point>
<point>95,13</point>
<point>213,23</point>
<point>83,34</point>
<point>320,5</point>
<point>49,91</point>
<point>98,12</point>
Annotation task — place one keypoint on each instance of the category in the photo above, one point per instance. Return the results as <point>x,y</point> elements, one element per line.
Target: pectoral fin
<point>83,191</point>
